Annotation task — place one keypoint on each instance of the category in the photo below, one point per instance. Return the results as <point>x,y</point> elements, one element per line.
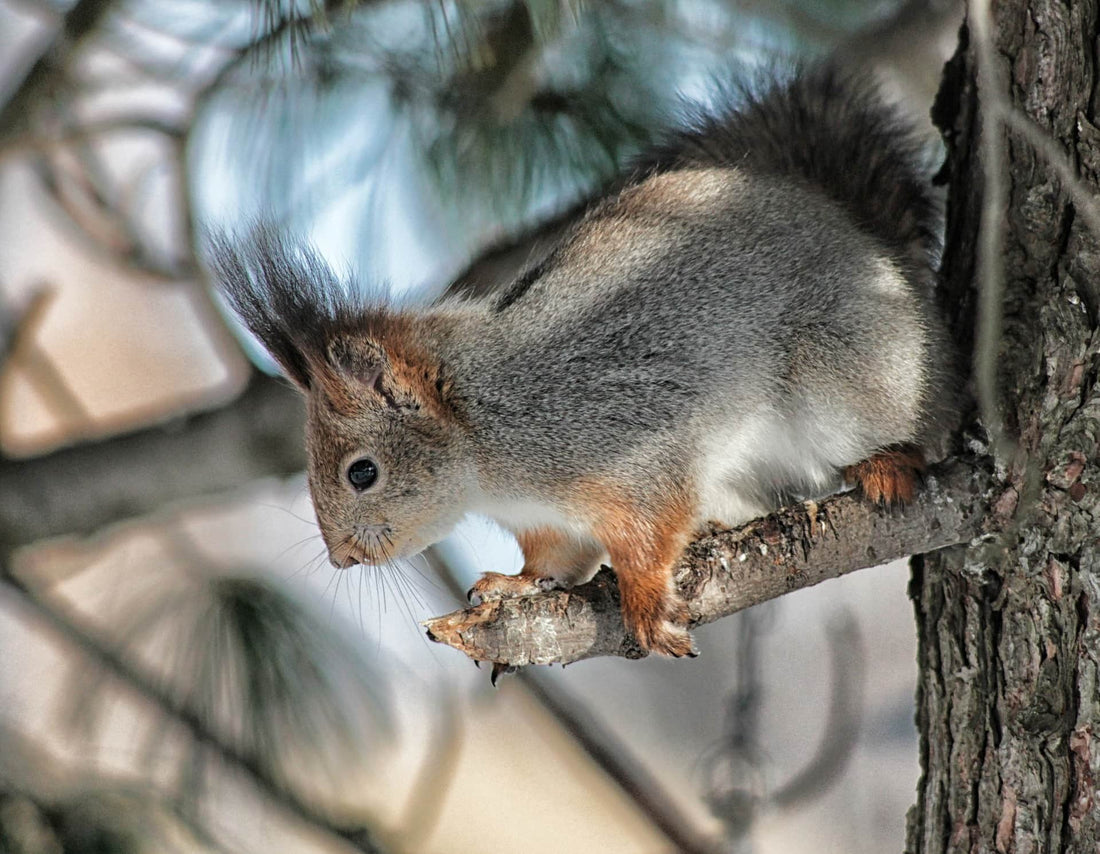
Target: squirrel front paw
<point>495,585</point>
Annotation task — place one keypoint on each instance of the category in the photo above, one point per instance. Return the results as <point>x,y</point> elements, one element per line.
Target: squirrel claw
<point>500,670</point>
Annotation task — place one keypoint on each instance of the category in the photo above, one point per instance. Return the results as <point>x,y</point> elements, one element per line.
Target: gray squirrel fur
<point>748,319</point>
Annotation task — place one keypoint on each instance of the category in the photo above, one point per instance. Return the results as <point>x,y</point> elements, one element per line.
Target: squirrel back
<point>823,135</point>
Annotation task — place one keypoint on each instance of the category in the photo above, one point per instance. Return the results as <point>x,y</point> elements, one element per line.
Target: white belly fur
<point>743,469</point>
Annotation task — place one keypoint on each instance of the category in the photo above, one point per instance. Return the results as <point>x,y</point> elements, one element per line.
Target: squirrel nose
<point>345,555</point>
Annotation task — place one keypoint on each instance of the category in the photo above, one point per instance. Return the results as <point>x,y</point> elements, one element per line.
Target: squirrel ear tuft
<point>283,292</point>
<point>293,363</point>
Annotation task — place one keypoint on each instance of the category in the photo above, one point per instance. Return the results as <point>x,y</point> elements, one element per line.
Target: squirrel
<point>748,319</point>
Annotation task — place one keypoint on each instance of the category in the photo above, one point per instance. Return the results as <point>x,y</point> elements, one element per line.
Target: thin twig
<point>26,354</point>
<point>425,804</point>
<point>1084,196</point>
<point>991,236</point>
<point>102,228</point>
<point>618,762</point>
<point>608,753</point>
<point>842,722</point>
<point>734,767</point>
<point>22,144</point>
<point>129,249</point>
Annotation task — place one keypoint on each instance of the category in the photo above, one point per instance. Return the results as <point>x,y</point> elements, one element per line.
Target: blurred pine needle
<point>263,672</point>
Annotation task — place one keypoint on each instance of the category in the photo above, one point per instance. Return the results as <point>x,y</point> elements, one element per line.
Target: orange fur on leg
<point>889,476</point>
<point>540,547</point>
<point>644,547</point>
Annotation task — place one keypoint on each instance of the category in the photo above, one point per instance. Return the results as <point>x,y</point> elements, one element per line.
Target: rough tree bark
<point>1008,707</point>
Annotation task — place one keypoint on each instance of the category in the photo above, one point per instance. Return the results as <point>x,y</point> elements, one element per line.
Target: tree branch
<point>722,573</point>
<point>29,142</point>
<point>991,237</point>
<point>26,355</point>
<point>83,18</point>
<point>81,489</point>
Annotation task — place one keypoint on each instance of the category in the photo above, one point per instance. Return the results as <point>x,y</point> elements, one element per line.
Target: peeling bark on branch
<point>725,572</point>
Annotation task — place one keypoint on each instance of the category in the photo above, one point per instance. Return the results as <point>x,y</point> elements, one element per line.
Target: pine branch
<point>82,489</point>
<point>726,572</point>
<point>69,627</point>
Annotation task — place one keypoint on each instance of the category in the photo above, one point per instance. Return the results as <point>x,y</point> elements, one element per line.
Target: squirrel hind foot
<point>666,638</point>
<point>664,633</point>
<point>889,477</point>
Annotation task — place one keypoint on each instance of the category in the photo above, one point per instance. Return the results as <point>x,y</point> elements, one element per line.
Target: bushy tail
<point>834,132</point>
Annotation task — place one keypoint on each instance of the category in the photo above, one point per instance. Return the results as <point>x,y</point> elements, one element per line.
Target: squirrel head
<point>388,466</point>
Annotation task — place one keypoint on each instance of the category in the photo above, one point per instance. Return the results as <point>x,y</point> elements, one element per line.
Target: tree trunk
<point>1008,706</point>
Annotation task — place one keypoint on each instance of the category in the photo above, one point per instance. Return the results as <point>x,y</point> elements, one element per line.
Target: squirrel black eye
<point>362,474</point>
